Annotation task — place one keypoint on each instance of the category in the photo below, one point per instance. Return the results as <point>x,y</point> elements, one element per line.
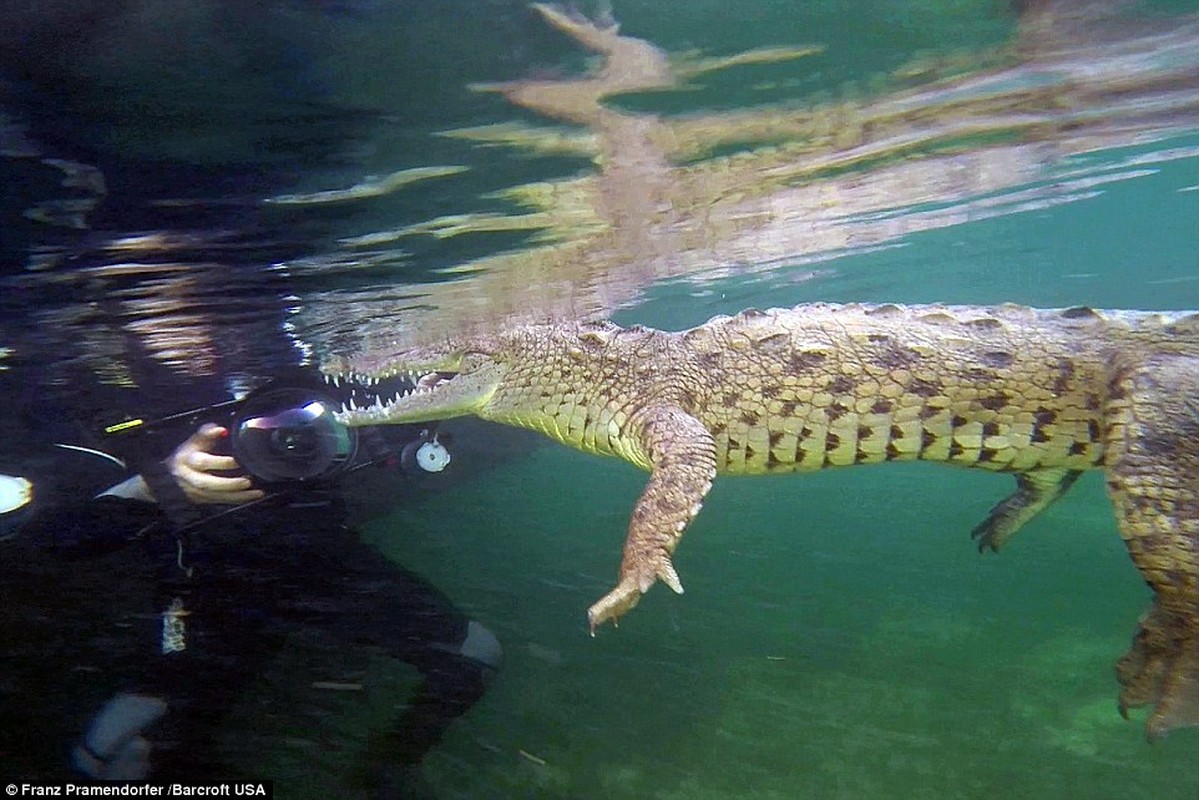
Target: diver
<point>240,539</point>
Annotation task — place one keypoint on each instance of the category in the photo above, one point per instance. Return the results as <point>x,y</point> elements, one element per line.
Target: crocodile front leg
<point>682,455</point>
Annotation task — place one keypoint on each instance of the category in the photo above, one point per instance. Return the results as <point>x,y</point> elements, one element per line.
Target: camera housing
<point>288,434</point>
<point>284,433</point>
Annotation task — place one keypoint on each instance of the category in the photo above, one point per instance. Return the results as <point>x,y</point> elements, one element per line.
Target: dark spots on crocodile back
<point>956,449</point>
<point>996,401</point>
<point>1042,419</point>
<point>987,455</point>
<point>924,388</point>
<point>749,418</point>
<point>835,411</point>
<point>1160,444</point>
<point>1093,402</point>
<point>893,452</point>
<point>807,361</point>
<point>709,361</point>
<point>1093,431</point>
<point>927,439</point>
<point>730,400</point>
<point>990,429</point>
<point>772,461</point>
<point>1117,387</point>
<point>889,355</point>
<point>997,359</point>
<point>719,428</point>
<point>882,406</point>
<point>842,384</point>
<point>959,421</point>
<point>1065,374</point>
<point>1078,448</point>
<point>775,342</point>
<point>1145,505</point>
<point>775,438</point>
<point>928,412</point>
<point>665,503</point>
<point>831,442</point>
<point>865,432</point>
<point>981,375</point>
<point>787,409</point>
<point>896,432</point>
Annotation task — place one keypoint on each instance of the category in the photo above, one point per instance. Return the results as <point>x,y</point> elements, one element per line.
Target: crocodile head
<point>450,379</point>
<point>576,382</point>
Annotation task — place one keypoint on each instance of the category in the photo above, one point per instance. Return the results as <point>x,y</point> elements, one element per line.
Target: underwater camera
<point>289,434</point>
<point>285,433</point>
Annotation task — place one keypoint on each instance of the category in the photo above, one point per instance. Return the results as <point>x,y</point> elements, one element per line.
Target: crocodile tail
<point>1152,466</point>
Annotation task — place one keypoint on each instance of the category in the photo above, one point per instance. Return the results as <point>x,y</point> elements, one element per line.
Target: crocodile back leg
<point>1152,468</point>
<point>1035,492</point>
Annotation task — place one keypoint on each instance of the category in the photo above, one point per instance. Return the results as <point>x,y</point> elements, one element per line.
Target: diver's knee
<point>113,747</point>
<point>482,647</point>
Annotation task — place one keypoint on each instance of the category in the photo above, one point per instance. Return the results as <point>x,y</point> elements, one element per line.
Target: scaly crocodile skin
<point>1043,395</point>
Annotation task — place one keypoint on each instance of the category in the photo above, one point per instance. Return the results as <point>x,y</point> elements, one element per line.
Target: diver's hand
<point>194,467</point>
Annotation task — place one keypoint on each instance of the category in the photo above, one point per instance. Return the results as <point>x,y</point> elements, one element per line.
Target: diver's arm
<point>118,515</point>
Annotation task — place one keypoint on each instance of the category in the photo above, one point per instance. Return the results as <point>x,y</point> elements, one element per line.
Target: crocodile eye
<point>471,361</point>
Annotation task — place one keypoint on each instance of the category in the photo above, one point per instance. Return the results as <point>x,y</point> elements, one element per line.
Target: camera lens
<point>290,435</point>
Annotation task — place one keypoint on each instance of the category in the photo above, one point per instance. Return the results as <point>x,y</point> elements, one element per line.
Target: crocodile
<point>1041,394</point>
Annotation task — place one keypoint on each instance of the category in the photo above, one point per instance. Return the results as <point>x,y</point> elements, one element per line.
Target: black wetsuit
<point>90,582</point>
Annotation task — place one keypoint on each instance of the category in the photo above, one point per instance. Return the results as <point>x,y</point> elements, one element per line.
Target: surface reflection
<point>137,141</point>
<point>703,195</point>
<point>306,209</point>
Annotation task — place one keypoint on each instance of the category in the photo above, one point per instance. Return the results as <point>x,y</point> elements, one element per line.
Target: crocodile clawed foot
<point>615,603</point>
<point>1161,669</point>
<point>627,593</point>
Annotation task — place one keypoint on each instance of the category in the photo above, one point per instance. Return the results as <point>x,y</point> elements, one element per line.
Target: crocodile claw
<point>668,575</point>
<point>628,593</point>
<point>615,603</point>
